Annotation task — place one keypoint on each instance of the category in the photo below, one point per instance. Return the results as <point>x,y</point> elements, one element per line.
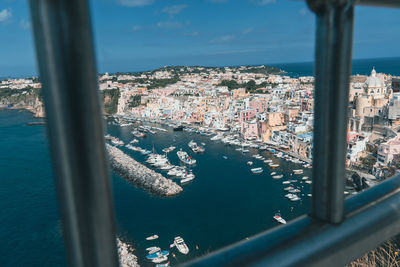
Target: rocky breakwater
<point>140,175</point>
<point>126,256</point>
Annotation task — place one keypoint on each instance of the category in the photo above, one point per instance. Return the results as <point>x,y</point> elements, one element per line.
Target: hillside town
<point>258,103</point>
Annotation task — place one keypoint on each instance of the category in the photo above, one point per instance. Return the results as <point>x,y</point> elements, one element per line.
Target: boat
<point>245,150</point>
<point>178,128</point>
<point>308,182</point>
<point>185,158</point>
<point>163,265</point>
<point>257,170</point>
<point>160,259</point>
<point>155,250</point>
<point>273,173</point>
<point>286,182</point>
<point>300,171</point>
<point>304,178</point>
<point>157,255</point>
<point>288,188</point>
<point>181,245</point>
<point>151,249</point>
<point>224,157</point>
<point>152,237</point>
<point>187,179</point>
<point>277,176</point>
<point>274,165</point>
<point>195,148</point>
<point>279,219</point>
<point>249,163</point>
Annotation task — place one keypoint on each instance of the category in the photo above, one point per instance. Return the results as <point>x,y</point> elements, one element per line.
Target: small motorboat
<point>273,173</point>
<point>151,249</point>
<point>152,237</point>
<point>274,165</point>
<point>160,259</point>
<point>249,163</point>
<point>158,254</point>
<point>286,182</point>
<point>300,171</point>
<point>181,245</point>
<point>277,176</point>
<point>224,157</point>
<point>279,219</point>
<point>257,170</point>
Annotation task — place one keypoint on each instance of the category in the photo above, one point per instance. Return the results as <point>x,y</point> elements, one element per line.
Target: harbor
<point>224,189</point>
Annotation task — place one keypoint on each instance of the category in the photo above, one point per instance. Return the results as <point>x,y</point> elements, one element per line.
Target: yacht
<point>185,158</point>
<point>181,245</point>
<point>279,219</point>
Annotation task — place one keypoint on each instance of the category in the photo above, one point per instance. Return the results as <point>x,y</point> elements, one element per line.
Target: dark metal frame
<point>335,232</point>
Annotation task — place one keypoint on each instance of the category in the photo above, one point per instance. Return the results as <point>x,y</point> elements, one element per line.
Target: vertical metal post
<point>65,54</point>
<point>334,38</point>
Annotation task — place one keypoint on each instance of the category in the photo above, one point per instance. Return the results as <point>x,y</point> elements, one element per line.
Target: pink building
<point>259,105</point>
<point>249,130</point>
<point>388,150</point>
<point>246,115</point>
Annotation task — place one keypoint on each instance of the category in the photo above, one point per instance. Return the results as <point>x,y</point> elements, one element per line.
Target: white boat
<point>152,237</point>
<point>308,182</point>
<point>151,249</point>
<point>274,165</point>
<point>286,182</point>
<point>257,170</point>
<point>279,219</point>
<point>249,163</point>
<point>154,250</point>
<point>300,171</point>
<point>181,245</point>
<point>304,178</point>
<point>224,157</point>
<point>185,158</point>
<point>187,179</point>
<point>273,173</point>
<point>277,176</point>
<point>160,259</point>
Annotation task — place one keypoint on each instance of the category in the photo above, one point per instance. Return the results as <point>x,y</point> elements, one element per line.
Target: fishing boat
<point>277,176</point>
<point>279,219</point>
<point>152,237</point>
<point>257,170</point>
<point>185,158</point>
<point>181,245</point>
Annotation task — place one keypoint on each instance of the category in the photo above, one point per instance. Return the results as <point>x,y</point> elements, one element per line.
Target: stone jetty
<point>126,256</point>
<point>140,175</point>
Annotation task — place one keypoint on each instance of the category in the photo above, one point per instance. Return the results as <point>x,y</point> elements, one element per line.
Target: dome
<point>373,81</point>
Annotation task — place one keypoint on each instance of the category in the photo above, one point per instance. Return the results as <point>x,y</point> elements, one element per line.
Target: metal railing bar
<point>334,38</point>
<point>380,3</point>
<point>275,240</point>
<point>66,61</point>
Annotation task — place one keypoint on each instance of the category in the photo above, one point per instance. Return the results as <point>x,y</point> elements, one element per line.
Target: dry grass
<point>387,255</point>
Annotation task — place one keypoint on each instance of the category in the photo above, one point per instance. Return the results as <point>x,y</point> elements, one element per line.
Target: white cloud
<point>248,30</point>
<point>172,11</point>
<point>24,24</point>
<point>263,2</point>
<point>223,39</point>
<point>136,28</point>
<point>5,15</point>
<point>135,3</point>
<point>303,11</point>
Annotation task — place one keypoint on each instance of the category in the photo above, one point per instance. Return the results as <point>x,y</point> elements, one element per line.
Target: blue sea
<point>225,203</point>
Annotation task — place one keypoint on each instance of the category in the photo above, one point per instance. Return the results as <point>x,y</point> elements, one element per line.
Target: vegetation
<point>251,86</point>
<point>368,161</point>
<point>135,101</point>
<point>386,255</point>
<point>110,99</point>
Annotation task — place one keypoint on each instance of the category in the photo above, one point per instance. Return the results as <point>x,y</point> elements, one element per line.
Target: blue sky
<point>133,35</point>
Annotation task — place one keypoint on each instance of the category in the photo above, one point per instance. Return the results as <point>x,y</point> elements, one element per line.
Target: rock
<point>126,257</point>
<point>140,175</point>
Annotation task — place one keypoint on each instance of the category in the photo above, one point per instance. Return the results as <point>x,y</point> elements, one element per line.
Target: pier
<point>140,175</point>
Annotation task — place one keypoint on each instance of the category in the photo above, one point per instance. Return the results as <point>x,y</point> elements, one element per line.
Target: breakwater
<point>126,256</point>
<point>140,175</point>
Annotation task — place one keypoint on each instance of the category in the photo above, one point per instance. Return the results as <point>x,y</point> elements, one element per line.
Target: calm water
<point>360,66</point>
<point>224,204</point>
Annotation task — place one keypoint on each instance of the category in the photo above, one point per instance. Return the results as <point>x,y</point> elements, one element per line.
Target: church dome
<point>373,81</point>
